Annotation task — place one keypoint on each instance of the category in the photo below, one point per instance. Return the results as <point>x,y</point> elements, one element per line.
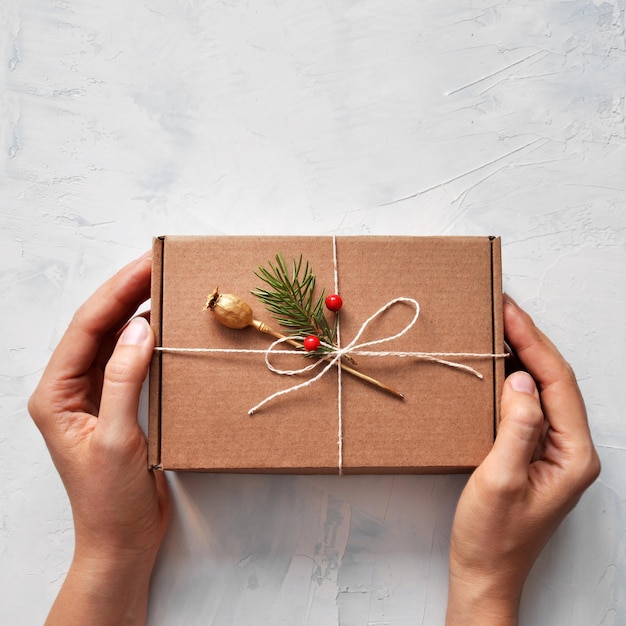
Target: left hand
<point>86,409</point>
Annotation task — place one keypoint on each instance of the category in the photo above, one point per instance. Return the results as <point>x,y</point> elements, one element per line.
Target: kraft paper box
<point>199,401</point>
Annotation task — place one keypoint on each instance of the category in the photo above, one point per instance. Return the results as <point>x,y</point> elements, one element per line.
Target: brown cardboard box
<point>199,402</point>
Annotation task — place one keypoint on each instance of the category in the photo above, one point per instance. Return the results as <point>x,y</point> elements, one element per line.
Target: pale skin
<point>541,463</point>
<point>86,408</point>
<point>87,414</point>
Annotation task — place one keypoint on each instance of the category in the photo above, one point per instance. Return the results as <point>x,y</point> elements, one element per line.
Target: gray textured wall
<point>121,120</point>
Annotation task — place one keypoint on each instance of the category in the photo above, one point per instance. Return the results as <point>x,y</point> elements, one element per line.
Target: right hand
<point>542,461</point>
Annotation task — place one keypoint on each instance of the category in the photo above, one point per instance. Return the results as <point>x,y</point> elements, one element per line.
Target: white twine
<point>335,353</point>
<point>339,386</point>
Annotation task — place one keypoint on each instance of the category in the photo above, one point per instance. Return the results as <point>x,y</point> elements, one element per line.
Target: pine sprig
<point>291,300</point>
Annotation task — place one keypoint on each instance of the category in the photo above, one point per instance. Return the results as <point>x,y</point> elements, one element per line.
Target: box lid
<point>199,402</point>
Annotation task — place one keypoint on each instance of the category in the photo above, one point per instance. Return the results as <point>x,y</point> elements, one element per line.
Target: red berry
<point>334,302</point>
<point>311,343</point>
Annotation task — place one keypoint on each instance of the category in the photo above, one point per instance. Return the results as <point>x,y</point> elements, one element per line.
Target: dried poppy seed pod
<point>229,309</point>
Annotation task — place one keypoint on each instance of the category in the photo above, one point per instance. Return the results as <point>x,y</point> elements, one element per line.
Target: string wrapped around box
<point>335,353</point>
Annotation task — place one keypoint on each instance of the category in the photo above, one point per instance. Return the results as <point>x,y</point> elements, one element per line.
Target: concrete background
<point>121,120</point>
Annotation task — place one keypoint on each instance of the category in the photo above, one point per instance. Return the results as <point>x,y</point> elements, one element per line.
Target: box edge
<point>154,397</point>
<point>498,326</point>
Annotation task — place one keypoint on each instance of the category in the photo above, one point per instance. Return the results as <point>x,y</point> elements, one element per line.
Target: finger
<point>512,363</point>
<point>124,376</point>
<point>561,399</point>
<point>109,342</point>
<point>520,428</point>
<point>106,311</point>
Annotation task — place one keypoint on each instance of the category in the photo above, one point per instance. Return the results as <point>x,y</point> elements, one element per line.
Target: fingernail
<point>523,382</point>
<point>135,333</point>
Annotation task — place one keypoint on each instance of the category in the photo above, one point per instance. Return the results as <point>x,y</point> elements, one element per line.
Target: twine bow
<point>355,348</point>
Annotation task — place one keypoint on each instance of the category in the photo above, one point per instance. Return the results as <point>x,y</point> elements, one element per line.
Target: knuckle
<point>119,371</point>
<point>586,469</point>
<point>527,417</point>
<point>79,315</point>
<point>567,372</point>
<point>40,406</point>
<point>533,417</point>
<point>590,466</point>
<point>504,485</point>
<point>112,446</point>
<point>34,407</point>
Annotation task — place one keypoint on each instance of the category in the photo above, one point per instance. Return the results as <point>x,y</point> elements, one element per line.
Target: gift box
<point>448,364</point>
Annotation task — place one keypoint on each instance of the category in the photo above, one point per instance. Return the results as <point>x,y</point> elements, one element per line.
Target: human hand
<point>86,409</point>
<point>542,461</point>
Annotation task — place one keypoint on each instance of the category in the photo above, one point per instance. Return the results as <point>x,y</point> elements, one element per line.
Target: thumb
<point>520,426</point>
<point>124,375</point>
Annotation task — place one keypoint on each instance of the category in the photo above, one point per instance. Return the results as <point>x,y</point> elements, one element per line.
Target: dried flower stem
<point>264,328</point>
<point>233,312</point>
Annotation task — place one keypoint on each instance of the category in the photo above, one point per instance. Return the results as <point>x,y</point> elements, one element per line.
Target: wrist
<point>109,590</point>
<point>107,557</point>
<point>108,546</point>
<point>475,598</point>
<point>114,565</point>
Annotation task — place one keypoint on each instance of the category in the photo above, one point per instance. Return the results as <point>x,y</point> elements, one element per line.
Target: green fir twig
<point>290,298</point>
